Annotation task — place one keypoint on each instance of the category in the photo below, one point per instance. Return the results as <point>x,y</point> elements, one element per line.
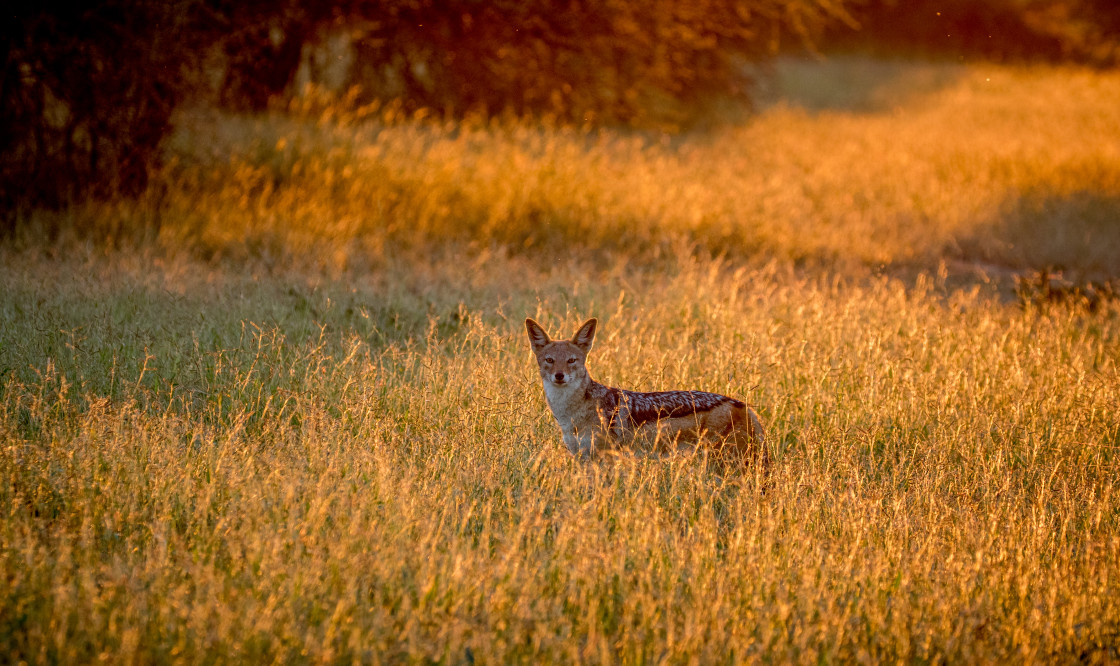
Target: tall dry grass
<point>289,424</point>
<point>1017,167</point>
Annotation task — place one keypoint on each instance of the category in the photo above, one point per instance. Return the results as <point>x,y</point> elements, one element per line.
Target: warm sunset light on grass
<point>281,407</point>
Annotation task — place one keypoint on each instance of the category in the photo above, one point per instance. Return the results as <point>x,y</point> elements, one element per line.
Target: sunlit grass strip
<point>1020,167</point>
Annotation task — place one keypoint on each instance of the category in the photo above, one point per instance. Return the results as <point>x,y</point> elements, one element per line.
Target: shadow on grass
<point>1077,232</point>
<point>125,337</point>
<point>851,83</point>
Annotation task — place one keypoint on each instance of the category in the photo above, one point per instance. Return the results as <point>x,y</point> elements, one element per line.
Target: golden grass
<point>1011,166</point>
<point>290,425</point>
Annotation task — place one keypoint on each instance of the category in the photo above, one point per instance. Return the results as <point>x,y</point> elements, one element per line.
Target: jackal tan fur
<point>592,415</point>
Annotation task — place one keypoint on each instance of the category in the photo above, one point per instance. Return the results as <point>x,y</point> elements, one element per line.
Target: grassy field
<point>283,407</point>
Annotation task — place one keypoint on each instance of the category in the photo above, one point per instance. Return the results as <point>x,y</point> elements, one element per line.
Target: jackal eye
<point>549,359</point>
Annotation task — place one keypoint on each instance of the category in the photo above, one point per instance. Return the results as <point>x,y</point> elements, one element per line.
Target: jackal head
<point>562,362</point>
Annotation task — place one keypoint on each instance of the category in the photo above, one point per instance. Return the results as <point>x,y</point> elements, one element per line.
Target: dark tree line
<point>85,98</point>
<point>87,91</point>
<point>616,61</point>
<point>1086,31</point>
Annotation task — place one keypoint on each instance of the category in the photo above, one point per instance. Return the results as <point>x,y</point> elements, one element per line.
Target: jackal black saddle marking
<point>641,408</point>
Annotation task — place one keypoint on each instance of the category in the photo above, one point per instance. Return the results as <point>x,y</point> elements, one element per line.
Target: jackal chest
<point>572,408</point>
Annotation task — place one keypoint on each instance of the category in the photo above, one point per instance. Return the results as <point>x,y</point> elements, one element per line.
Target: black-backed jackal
<point>592,415</point>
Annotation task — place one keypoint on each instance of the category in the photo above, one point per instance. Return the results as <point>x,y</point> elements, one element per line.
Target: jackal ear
<point>585,336</point>
<point>537,337</point>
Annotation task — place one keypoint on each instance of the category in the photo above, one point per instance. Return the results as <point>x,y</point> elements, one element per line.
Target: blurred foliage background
<point>87,91</point>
